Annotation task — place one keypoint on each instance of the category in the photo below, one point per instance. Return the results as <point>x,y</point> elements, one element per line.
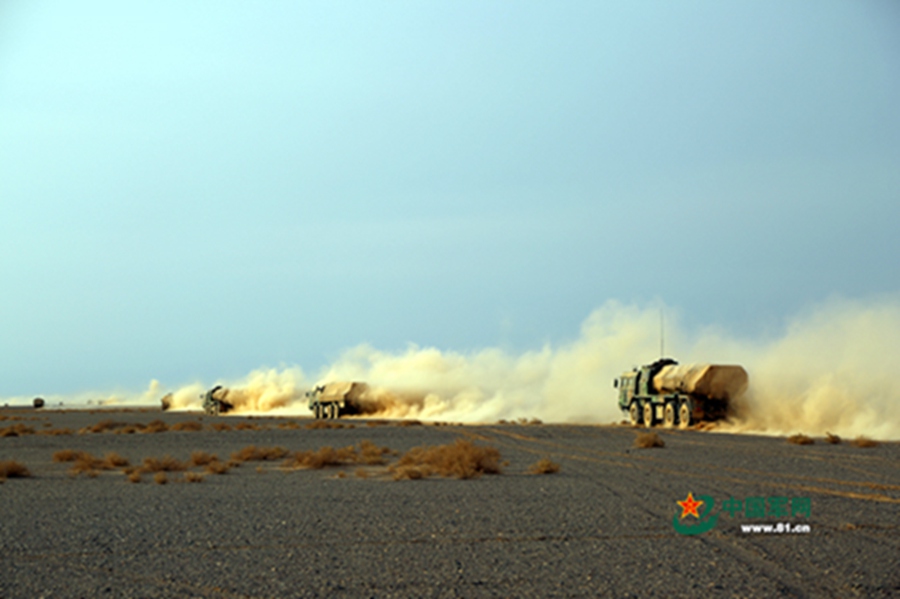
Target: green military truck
<point>666,393</point>
<point>334,400</point>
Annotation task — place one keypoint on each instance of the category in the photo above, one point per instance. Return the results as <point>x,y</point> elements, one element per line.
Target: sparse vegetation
<point>55,432</point>
<point>290,424</point>
<point>462,459</point>
<point>160,478</point>
<point>16,430</point>
<point>864,442</point>
<point>193,477</point>
<point>409,423</point>
<point>833,439</point>
<point>248,426</point>
<point>157,426</point>
<point>188,426</point>
<point>134,476</point>
<point>252,453</point>
<point>202,458</point>
<point>324,424</point>
<point>648,440</point>
<point>544,466</point>
<point>217,467</point>
<point>164,464</point>
<point>800,439</point>
<point>220,426</point>
<point>13,469</point>
<point>324,457</point>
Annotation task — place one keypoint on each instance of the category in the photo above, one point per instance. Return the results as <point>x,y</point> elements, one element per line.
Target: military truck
<point>215,401</point>
<point>672,395</point>
<point>334,400</point>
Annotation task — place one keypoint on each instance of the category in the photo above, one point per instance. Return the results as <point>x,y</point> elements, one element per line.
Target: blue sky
<point>189,191</point>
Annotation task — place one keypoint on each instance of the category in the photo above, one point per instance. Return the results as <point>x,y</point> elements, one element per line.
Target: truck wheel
<point>684,415</point>
<point>669,416</point>
<point>332,411</point>
<point>648,414</point>
<point>317,411</point>
<point>634,413</point>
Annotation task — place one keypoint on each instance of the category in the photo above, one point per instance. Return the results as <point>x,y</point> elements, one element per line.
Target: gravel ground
<point>602,526</point>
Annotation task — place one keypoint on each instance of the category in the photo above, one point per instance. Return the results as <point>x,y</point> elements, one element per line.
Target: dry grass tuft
<point>13,469</point>
<point>157,426</point>
<point>134,476</point>
<point>544,466</point>
<point>188,426</point>
<point>102,426</point>
<point>202,458</point>
<point>66,455</point>
<point>16,430</point>
<point>220,426</point>
<point>864,442</point>
<point>323,424</point>
<point>248,426</point>
<point>252,453</point>
<point>130,429</point>
<point>833,439</point>
<point>648,440</point>
<point>193,477</point>
<point>160,478</point>
<point>409,423</point>
<point>164,464</point>
<point>217,467</point>
<point>800,439</point>
<point>290,424</point>
<point>55,432</point>
<point>362,473</point>
<point>462,460</point>
<point>378,422</point>
<point>372,455</point>
<point>114,460</point>
<point>324,457</point>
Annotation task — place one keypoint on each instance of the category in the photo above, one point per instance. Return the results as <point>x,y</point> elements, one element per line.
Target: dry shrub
<point>160,478</point>
<point>164,464</point>
<point>248,426</point>
<point>326,456</point>
<point>372,455</point>
<point>134,476</point>
<point>157,426</point>
<point>648,440</point>
<point>503,421</point>
<point>864,442</point>
<point>114,460</point>
<point>462,459</point>
<point>103,426</point>
<point>220,426</point>
<point>16,430</point>
<point>409,423</point>
<point>341,474</point>
<point>217,467</point>
<point>193,477</point>
<point>252,453</point>
<point>13,469</point>
<point>130,429</point>
<point>55,432</point>
<point>362,473</point>
<point>544,466</point>
<point>66,455</point>
<point>202,458</point>
<point>290,424</point>
<point>833,439</point>
<point>535,421</point>
<point>188,426</point>
<point>800,439</point>
<point>320,424</point>
<point>378,423</point>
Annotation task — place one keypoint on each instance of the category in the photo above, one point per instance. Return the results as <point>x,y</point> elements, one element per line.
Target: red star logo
<point>689,506</point>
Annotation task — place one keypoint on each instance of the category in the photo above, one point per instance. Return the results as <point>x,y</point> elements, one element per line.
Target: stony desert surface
<point>281,527</point>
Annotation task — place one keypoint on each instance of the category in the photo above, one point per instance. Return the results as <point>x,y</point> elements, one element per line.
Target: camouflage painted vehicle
<point>334,400</point>
<point>215,401</point>
<point>665,393</point>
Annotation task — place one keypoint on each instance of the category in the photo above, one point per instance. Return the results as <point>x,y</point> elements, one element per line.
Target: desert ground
<point>600,526</point>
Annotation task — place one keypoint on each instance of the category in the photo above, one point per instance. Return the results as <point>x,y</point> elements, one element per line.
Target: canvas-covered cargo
<point>343,391</point>
<point>711,381</point>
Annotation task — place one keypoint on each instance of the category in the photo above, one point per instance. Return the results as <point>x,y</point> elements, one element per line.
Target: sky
<point>191,191</point>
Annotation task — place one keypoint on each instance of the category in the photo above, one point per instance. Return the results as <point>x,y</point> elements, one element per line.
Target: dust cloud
<point>830,370</point>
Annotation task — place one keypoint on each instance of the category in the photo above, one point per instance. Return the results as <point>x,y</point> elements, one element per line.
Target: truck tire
<point>317,411</point>
<point>332,411</point>
<point>634,413</point>
<point>669,414</point>
<point>684,414</point>
<point>649,420</point>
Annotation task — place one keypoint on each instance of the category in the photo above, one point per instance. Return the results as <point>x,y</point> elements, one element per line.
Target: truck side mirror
<point>616,383</point>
